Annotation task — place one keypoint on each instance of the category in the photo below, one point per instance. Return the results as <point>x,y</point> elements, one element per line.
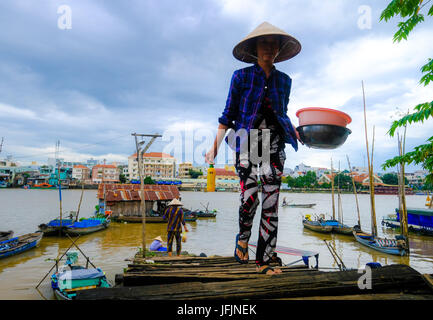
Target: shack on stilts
<point>122,201</point>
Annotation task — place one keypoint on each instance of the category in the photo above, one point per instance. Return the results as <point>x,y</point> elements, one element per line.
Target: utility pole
<point>138,146</point>
<point>1,144</point>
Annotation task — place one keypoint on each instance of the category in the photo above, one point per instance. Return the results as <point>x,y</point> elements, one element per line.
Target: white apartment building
<point>157,165</point>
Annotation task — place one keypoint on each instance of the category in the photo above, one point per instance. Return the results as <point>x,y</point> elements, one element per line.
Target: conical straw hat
<point>175,202</point>
<point>158,238</point>
<point>245,50</point>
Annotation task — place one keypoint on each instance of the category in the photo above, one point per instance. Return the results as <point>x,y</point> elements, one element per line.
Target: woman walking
<point>257,105</point>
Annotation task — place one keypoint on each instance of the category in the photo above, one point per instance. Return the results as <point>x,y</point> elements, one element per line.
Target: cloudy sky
<point>118,67</point>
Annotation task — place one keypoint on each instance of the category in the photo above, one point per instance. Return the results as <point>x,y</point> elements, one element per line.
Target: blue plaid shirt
<point>246,96</point>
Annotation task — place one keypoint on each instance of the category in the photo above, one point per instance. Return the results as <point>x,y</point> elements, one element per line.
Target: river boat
<point>56,227</point>
<point>6,235</point>
<point>398,246</point>
<point>420,220</point>
<point>20,244</point>
<point>316,225</point>
<point>71,278</point>
<point>87,226</point>
<point>201,213</point>
<point>298,205</point>
<point>390,246</point>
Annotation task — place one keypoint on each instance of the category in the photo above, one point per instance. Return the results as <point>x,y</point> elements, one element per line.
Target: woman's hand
<point>297,134</point>
<point>210,157</point>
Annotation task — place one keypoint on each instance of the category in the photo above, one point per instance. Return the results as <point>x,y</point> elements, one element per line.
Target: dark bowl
<point>323,136</point>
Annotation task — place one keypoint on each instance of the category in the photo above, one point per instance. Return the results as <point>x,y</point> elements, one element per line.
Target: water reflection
<point>109,248</point>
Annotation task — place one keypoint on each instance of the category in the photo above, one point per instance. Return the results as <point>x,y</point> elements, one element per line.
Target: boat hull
<point>6,235</point>
<point>25,243</point>
<point>395,224</point>
<point>369,241</point>
<point>316,226</point>
<point>299,205</point>
<point>84,231</point>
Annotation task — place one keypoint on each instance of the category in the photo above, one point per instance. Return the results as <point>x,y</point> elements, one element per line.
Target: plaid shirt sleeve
<point>232,105</point>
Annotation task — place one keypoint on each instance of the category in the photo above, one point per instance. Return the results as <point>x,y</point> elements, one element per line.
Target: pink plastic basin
<point>309,116</point>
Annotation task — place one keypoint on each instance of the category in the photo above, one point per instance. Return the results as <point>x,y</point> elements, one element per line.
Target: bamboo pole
<point>403,214</point>
<point>332,191</point>
<point>373,206</point>
<point>79,204</point>
<point>373,213</point>
<point>60,197</point>
<point>354,191</point>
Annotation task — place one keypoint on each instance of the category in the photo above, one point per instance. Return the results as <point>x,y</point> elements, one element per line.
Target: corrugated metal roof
<point>131,192</point>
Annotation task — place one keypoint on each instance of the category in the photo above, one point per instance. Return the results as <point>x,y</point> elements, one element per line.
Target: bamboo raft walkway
<point>200,278</point>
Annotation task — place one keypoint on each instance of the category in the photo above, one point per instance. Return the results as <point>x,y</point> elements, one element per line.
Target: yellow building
<point>183,172</point>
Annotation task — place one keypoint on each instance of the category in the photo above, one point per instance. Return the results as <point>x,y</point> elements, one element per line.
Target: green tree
<point>344,181</point>
<point>411,10</point>
<point>392,178</point>
<point>148,180</point>
<point>122,178</point>
<point>290,181</point>
<point>194,173</point>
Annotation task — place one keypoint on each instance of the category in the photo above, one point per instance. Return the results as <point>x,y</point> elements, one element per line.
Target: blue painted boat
<point>389,246</point>
<point>55,227</point>
<point>87,226</point>
<point>316,225</point>
<point>71,278</point>
<point>20,244</point>
<point>420,220</point>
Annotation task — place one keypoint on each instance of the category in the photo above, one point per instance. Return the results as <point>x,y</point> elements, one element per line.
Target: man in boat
<point>284,201</point>
<point>174,215</point>
<point>257,104</point>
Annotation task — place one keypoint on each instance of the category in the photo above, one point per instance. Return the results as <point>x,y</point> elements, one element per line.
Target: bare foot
<point>243,256</point>
<point>269,270</point>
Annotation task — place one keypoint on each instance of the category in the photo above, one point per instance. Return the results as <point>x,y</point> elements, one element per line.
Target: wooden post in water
<point>403,213</point>
<point>354,191</point>
<point>79,204</point>
<point>60,197</point>
<point>332,192</point>
<point>370,169</point>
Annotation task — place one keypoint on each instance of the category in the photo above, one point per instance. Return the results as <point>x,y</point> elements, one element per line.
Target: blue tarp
<point>81,274</point>
<point>87,223</point>
<point>56,222</point>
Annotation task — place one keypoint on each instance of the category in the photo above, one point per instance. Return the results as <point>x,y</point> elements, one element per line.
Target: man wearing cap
<point>257,104</point>
<point>174,214</point>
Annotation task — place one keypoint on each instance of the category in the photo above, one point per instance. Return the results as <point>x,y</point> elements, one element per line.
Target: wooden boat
<point>6,235</point>
<point>343,229</point>
<point>43,185</point>
<point>19,244</point>
<point>190,216</point>
<point>298,205</point>
<point>398,246</point>
<point>55,227</point>
<point>201,214</point>
<point>390,246</point>
<point>316,225</point>
<point>70,278</point>
<point>87,226</point>
<point>393,221</point>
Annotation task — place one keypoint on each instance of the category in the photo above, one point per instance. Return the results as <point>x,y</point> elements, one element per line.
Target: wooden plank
<point>388,279</point>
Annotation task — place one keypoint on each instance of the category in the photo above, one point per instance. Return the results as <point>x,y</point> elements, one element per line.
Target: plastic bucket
<point>310,116</point>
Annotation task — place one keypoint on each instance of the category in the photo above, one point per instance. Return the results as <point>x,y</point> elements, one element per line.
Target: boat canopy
<point>79,274</point>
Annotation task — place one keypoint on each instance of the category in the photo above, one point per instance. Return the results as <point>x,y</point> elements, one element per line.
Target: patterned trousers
<point>270,173</point>
<point>171,235</point>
